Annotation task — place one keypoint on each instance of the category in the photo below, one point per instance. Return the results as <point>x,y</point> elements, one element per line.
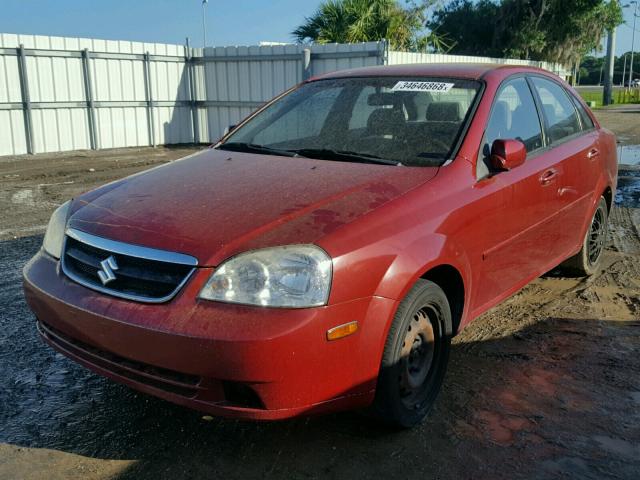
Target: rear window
<point>558,110</point>
<point>413,121</point>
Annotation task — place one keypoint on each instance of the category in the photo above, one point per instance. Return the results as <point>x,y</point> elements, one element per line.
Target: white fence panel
<point>60,114</point>
<point>91,93</point>
<point>234,81</point>
<point>12,133</point>
<point>333,57</point>
<point>399,58</point>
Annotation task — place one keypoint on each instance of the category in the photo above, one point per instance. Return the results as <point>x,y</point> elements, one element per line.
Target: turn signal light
<point>341,331</point>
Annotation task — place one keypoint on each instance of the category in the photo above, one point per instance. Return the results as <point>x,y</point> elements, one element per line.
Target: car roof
<point>472,71</point>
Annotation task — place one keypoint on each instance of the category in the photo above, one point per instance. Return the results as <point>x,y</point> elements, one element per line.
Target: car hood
<point>218,203</point>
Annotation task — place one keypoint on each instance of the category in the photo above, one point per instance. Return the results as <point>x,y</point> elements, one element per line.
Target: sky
<point>624,32</point>
<point>237,22</point>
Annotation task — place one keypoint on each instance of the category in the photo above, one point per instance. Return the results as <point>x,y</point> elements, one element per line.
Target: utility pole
<point>624,70</point>
<point>608,74</point>
<point>601,69</point>
<point>204,23</point>
<point>633,40</point>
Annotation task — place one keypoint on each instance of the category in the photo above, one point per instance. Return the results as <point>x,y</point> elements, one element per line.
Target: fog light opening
<point>241,395</point>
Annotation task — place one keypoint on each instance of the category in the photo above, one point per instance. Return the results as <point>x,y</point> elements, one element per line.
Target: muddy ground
<point>547,385</point>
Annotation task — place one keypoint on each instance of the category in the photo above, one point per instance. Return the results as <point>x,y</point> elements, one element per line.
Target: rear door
<point>575,149</point>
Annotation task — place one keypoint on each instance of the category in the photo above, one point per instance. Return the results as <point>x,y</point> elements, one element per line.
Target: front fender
<point>418,259</point>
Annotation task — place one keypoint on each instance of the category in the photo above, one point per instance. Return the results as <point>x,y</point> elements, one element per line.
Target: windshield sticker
<point>404,86</point>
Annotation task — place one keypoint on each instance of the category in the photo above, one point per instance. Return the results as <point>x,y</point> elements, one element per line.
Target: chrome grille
<point>124,270</point>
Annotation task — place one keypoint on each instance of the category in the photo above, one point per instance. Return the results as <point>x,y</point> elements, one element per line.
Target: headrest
<point>381,99</point>
<point>502,111</point>
<point>549,112</point>
<point>383,121</point>
<point>444,112</point>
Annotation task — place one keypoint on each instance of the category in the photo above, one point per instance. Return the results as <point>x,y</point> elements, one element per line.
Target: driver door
<point>516,236</point>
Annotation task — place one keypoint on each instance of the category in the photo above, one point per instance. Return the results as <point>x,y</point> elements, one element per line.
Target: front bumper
<point>227,360</point>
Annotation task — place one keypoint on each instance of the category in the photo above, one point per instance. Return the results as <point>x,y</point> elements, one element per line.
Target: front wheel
<point>588,260</point>
<point>415,357</point>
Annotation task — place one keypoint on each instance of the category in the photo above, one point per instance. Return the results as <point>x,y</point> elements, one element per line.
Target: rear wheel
<point>415,357</point>
<point>588,260</point>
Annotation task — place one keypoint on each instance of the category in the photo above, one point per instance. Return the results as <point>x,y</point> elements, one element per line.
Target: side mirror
<point>507,154</point>
<point>228,130</point>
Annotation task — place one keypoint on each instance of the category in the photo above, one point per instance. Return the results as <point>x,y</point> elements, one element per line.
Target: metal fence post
<point>149,98</point>
<point>383,52</point>
<point>306,64</point>
<point>189,66</point>
<point>88,92</point>
<point>26,100</point>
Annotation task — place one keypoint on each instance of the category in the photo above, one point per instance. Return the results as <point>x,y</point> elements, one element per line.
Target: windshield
<point>408,121</point>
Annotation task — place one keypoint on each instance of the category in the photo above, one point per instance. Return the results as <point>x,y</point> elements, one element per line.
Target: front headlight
<point>54,237</point>
<point>294,276</point>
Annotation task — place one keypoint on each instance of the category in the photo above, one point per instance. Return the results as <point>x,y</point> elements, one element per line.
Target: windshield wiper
<point>255,148</point>
<point>319,153</point>
<point>344,155</point>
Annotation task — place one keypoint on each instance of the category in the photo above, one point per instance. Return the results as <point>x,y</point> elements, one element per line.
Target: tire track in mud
<point>624,231</point>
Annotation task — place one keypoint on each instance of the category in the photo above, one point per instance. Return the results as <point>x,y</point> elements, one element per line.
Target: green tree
<point>346,21</point>
<point>552,30</point>
<point>467,25</point>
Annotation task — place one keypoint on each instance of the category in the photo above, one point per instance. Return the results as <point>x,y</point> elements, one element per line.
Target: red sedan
<point>323,254</point>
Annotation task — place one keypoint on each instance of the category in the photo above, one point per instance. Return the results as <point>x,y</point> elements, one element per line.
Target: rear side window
<point>514,116</point>
<point>587,123</point>
<point>558,110</point>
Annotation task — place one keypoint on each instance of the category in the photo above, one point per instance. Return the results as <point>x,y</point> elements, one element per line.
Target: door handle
<point>548,176</point>
<point>593,153</point>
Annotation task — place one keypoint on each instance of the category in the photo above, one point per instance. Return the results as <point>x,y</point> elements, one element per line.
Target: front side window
<point>514,116</point>
<point>558,110</point>
<point>411,121</point>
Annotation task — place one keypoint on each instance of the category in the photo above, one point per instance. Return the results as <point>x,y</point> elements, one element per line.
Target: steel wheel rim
<point>418,356</point>
<point>596,237</point>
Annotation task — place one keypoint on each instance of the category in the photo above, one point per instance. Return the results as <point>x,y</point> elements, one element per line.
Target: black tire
<point>411,374</point>
<point>588,260</point>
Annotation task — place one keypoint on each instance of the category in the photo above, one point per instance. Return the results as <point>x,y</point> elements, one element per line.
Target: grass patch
<point>591,96</point>
<point>620,96</point>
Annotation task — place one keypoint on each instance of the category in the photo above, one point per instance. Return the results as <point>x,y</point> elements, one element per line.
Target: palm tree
<point>350,21</point>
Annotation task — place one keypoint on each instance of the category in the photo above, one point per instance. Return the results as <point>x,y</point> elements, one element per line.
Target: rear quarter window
<point>587,122</point>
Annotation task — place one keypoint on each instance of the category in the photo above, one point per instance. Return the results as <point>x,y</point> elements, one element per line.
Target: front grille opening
<point>241,395</point>
<point>135,278</point>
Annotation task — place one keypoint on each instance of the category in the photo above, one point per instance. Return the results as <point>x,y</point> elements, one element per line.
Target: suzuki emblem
<point>107,268</point>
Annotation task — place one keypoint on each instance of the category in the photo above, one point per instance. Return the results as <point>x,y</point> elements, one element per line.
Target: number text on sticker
<point>405,86</point>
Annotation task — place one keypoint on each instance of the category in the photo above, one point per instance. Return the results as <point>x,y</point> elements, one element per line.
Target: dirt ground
<point>547,385</point>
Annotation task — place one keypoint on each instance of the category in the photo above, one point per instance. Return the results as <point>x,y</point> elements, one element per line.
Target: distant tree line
<point>591,71</point>
<point>551,30</point>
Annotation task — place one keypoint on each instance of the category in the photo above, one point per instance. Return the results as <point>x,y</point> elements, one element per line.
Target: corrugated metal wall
<point>399,58</point>
<point>78,93</point>
<point>59,94</point>
<point>121,76</point>
<point>231,82</point>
